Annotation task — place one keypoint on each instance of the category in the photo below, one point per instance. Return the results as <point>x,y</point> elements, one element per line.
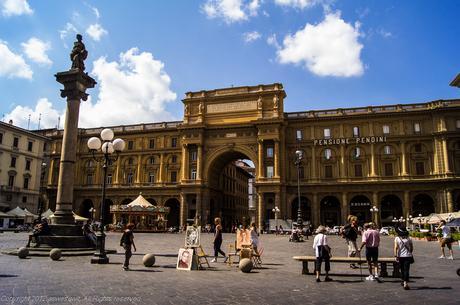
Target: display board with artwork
<point>184,259</point>
<point>192,236</point>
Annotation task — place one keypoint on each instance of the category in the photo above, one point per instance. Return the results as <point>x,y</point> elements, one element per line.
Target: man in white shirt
<point>446,240</point>
<point>322,253</point>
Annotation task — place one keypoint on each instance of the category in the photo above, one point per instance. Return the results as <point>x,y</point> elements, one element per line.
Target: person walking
<point>371,239</point>
<point>322,253</point>
<point>403,249</point>
<point>254,238</point>
<point>350,233</point>
<point>127,241</point>
<point>218,240</point>
<point>446,240</point>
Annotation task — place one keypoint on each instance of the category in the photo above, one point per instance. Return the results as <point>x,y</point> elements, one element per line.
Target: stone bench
<point>382,261</point>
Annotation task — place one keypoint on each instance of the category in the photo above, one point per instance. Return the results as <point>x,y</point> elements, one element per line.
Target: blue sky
<point>146,54</point>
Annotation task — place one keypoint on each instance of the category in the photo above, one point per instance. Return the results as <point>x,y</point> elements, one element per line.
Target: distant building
<point>21,159</point>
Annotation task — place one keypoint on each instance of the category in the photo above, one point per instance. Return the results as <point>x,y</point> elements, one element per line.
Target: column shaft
<point>260,170</point>
<point>344,208</point>
<point>198,162</point>
<point>277,152</point>
<point>372,160</point>
<point>315,210</point>
<point>403,159</point>
<point>260,211</point>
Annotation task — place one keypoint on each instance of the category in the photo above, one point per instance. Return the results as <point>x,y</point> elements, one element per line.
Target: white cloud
<point>251,36</point>
<point>35,49</point>
<point>43,111</point>
<point>133,90</point>
<point>69,28</point>
<point>231,10</point>
<point>96,31</point>
<point>15,7</point>
<point>273,41</point>
<point>300,4</point>
<point>384,33</point>
<point>13,65</point>
<point>330,48</point>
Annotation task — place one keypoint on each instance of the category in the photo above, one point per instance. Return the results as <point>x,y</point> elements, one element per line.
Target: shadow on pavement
<point>8,275</point>
<point>429,288</point>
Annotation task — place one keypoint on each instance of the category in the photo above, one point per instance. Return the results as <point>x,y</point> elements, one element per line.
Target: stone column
<point>277,152</point>
<point>139,169</point>
<point>315,210</point>
<point>375,202</point>
<point>372,161</point>
<point>313,163</point>
<point>51,172</point>
<point>199,162</point>
<point>342,162</point>
<point>183,209</point>
<point>406,204</point>
<point>161,171</point>
<point>260,211</point>
<point>199,208</point>
<point>445,157</point>
<point>277,204</point>
<point>184,164</point>
<point>75,84</point>
<point>260,151</point>
<point>450,201</point>
<point>344,207</point>
<point>403,159</point>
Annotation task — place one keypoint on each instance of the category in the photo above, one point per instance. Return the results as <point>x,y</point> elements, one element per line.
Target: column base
<point>99,259</point>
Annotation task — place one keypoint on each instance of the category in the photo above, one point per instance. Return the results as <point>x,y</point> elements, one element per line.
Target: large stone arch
<point>225,154</point>
<point>85,207</point>
<point>423,204</point>
<point>330,211</point>
<point>391,207</point>
<point>174,212</point>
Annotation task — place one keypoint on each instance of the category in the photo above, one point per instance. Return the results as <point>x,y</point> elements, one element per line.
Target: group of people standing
<point>402,250</point>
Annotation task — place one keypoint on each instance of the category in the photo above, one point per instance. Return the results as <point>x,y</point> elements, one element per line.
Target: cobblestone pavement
<point>73,280</point>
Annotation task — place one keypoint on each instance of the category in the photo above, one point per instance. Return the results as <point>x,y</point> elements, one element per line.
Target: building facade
<point>21,167</point>
<point>403,159</point>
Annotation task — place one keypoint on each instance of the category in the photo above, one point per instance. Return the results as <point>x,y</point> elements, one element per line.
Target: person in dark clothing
<point>89,233</point>
<point>403,249</point>
<point>40,229</point>
<point>218,240</point>
<point>127,241</point>
<point>350,233</point>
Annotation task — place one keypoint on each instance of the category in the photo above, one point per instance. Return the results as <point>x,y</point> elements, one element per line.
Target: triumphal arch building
<point>404,159</point>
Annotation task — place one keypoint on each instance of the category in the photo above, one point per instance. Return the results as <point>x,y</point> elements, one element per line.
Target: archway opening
<point>423,205</point>
<point>85,208</point>
<point>174,212</point>
<point>390,208</point>
<point>360,207</point>
<point>330,211</point>
<point>231,182</point>
<point>305,209</point>
<point>108,217</point>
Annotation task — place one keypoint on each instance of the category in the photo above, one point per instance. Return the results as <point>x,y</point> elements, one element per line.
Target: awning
<point>17,212</point>
<point>30,214</point>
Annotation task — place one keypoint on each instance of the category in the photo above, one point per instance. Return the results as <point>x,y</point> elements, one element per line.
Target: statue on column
<point>78,54</point>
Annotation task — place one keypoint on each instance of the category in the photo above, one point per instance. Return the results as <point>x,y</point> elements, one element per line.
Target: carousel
<point>145,216</point>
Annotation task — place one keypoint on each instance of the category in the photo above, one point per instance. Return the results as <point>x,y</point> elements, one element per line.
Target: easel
<point>201,257</point>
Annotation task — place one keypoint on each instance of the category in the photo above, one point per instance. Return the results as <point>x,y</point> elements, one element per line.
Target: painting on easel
<point>243,238</point>
<point>184,259</point>
<point>192,236</point>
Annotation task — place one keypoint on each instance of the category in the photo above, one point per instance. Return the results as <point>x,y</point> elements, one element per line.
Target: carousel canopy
<point>28,213</point>
<point>4,215</point>
<point>140,201</point>
<point>47,213</point>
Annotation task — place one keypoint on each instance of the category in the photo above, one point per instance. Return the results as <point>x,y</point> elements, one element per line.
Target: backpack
<point>123,239</point>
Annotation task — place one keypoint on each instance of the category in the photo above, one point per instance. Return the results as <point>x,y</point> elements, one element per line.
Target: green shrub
<point>456,236</point>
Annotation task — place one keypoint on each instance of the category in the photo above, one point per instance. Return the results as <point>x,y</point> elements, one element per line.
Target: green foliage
<point>456,236</point>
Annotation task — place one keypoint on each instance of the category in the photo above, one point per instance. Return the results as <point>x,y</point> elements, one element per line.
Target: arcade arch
<point>360,206</point>
<point>330,211</point>
<point>305,209</point>
<point>174,212</point>
<point>422,204</point>
<point>85,208</point>
<point>391,207</point>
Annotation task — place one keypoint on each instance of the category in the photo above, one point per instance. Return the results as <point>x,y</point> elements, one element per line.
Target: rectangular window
<point>173,142</point>
<point>89,179</point>
<point>269,171</point>
<point>30,145</point>
<point>328,171</point>
<point>45,146</point>
<point>152,143</point>
<point>298,134</point>
<point>357,152</point>
<point>418,148</point>
<point>11,181</point>
<point>457,124</point>
<point>417,128</point>
<point>1,137</point>
<point>327,153</point>
<point>269,152</point>
<point>327,133</point>
<point>193,174</point>
<point>13,162</point>
<point>24,199</point>
<point>420,168</point>
<point>152,160</point>
<point>130,178</point>
<point>358,170</point>
<point>109,179</point>
<point>9,197</point>
<point>174,159</point>
<point>151,177</point>
<point>193,155</point>
<point>130,145</point>
<point>15,142</point>
<point>26,183</point>
<point>386,129</point>
<point>388,169</point>
<point>174,176</point>
<point>28,165</point>
<point>356,131</point>
<point>387,150</point>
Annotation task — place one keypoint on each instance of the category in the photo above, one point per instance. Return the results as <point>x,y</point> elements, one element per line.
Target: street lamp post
<point>276,210</point>
<point>419,218</point>
<point>298,161</point>
<point>374,210</point>
<point>107,147</point>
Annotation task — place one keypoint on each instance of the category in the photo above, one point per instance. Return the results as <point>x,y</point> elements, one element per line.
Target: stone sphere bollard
<point>246,265</point>
<point>23,252</point>
<point>55,254</point>
<point>148,260</point>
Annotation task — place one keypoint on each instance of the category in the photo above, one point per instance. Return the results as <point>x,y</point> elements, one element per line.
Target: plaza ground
<point>73,280</point>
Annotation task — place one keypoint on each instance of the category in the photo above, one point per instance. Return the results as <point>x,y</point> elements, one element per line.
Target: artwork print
<point>192,236</point>
<point>243,238</point>
<point>184,259</point>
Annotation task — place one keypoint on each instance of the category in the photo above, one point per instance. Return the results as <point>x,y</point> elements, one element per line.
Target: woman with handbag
<point>403,249</point>
<point>322,253</point>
